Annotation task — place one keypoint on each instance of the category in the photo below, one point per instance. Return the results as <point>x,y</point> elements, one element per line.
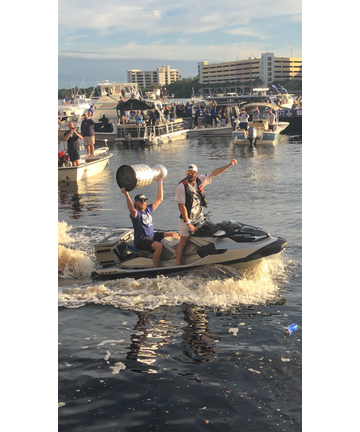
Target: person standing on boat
<point>88,132</point>
<point>119,107</point>
<point>152,117</point>
<point>72,138</point>
<point>271,119</point>
<point>244,120</point>
<point>91,110</point>
<point>104,120</point>
<point>213,113</point>
<point>256,113</point>
<point>190,198</point>
<point>140,214</point>
<point>167,113</point>
<point>172,112</point>
<point>139,119</point>
<point>197,115</point>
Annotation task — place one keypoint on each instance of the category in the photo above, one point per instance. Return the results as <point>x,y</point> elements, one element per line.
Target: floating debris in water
<point>117,368</point>
<point>291,329</point>
<point>253,370</point>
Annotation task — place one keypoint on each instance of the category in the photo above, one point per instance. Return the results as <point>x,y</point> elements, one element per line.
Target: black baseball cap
<point>139,197</point>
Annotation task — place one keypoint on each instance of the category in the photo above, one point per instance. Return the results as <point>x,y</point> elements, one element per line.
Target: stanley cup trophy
<point>137,176</point>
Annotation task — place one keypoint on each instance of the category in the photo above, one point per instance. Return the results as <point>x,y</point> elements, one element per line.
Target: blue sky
<point>98,41</point>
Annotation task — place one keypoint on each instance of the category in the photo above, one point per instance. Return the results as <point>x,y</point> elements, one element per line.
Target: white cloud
<point>174,52</point>
<point>154,28</point>
<point>190,18</point>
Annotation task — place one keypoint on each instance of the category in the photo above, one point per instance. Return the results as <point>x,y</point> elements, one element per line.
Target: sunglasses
<point>190,172</point>
<point>141,200</point>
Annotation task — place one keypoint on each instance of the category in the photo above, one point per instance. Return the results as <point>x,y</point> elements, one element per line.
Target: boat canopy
<point>135,104</point>
<point>260,104</point>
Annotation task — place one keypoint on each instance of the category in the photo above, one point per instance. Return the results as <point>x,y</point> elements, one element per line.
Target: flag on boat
<point>140,94</point>
<point>283,89</point>
<point>272,85</point>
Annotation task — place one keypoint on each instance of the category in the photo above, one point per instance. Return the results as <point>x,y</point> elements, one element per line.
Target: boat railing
<point>142,132</point>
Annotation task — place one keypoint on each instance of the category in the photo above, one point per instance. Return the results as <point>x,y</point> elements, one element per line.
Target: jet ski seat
<point>139,252</point>
<point>170,245</point>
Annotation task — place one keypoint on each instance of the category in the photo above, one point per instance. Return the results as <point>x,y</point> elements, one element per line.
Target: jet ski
<point>226,243</point>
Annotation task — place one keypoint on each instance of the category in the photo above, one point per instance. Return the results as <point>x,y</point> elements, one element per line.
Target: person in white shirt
<point>190,198</point>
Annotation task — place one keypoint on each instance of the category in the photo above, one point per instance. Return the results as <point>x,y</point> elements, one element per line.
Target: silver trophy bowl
<point>138,176</point>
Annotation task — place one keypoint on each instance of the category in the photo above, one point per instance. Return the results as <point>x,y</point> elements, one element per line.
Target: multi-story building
<point>268,68</point>
<point>163,76</point>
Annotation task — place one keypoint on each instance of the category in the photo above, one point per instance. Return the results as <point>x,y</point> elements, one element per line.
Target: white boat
<point>110,94</point>
<point>258,129</point>
<point>211,132</point>
<point>80,105</point>
<point>89,166</point>
<point>204,130</point>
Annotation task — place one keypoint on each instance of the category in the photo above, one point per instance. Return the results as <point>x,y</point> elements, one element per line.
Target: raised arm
<point>129,203</point>
<point>160,195</point>
<point>220,170</point>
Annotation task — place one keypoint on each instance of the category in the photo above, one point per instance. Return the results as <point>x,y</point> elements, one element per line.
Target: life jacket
<point>189,197</point>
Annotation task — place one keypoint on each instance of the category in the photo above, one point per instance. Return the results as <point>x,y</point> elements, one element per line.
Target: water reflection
<point>150,337</point>
<point>154,332</point>
<point>198,341</point>
<point>79,197</point>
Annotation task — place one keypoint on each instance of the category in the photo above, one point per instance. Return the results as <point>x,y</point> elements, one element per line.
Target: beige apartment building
<point>268,68</point>
<point>163,76</point>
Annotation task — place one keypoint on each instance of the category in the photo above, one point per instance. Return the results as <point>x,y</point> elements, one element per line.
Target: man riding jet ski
<point>201,241</point>
<point>226,243</point>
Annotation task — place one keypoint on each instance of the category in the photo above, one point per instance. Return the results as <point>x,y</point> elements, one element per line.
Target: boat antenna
<point>78,94</point>
<point>95,86</point>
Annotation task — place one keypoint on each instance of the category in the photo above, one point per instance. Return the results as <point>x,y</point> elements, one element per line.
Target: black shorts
<point>74,155</point>
<point>271,127</point>
<point>244,126</point>
<point>146,242</point>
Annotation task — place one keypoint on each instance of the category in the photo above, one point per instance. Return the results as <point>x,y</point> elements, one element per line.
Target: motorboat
<point>109,97</point>
<point>293,117</point>
<point>89,166</point>
<point>162,132</point>
<point>77,107</point>
<point>202,129</point>
<point>258,129</point>
<point>219,131</point>
<point>257,95</point>
<point>227,243</point>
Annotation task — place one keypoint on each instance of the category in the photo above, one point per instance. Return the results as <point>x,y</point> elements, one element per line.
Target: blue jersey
<point>143,225</point>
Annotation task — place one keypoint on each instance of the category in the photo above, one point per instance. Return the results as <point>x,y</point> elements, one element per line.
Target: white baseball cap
<point>192,167</point>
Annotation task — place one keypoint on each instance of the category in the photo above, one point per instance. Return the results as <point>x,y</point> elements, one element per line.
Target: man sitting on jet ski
<point>140,215</point>
<point>191,199</point>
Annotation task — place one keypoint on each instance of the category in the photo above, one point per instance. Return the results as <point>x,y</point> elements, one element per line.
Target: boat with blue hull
<point>294,118</point>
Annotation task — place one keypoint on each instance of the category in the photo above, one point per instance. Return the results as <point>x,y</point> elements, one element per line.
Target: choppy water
<point>202,351</point>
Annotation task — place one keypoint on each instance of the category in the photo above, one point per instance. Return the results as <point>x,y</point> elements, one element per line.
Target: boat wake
<point>213,286</point>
